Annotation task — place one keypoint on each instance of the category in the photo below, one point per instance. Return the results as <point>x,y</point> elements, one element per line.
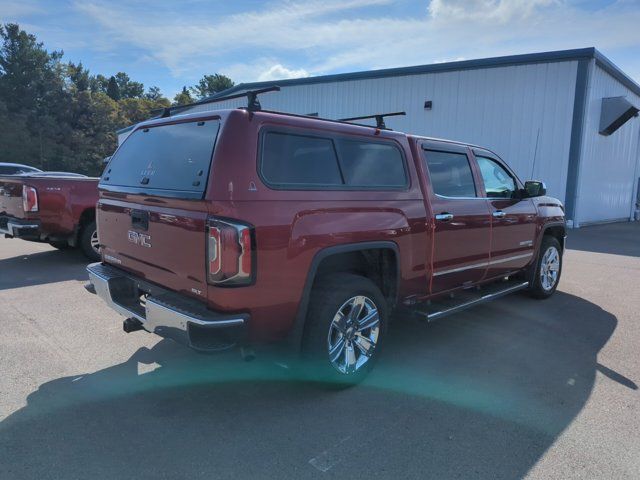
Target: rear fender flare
<point>297,330</point>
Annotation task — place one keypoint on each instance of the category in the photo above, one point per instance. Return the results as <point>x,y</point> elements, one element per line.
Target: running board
<point>486,294</point>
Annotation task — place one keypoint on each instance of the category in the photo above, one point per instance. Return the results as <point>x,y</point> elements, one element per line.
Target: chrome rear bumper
<point>164,312</point>
<point>17,228</point>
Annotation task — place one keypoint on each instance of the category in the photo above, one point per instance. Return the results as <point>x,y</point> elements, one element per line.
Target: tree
<point>183,98</point>
<point>135,110</point>
<point>28,72</point>
<point>113,90</point>
<point>154,94</point>
<point>98,83</point>
<point>35,100</point>
<point>79,76</point>
<point>210,85</point>
<point>58,116</point>
<point>127,87</point>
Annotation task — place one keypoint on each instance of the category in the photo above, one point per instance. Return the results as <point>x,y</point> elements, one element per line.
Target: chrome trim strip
<point>508,259</point>
<point>461,269</point>
<point>483,264</point>
<point>485,298</point>
<point>445,197</point>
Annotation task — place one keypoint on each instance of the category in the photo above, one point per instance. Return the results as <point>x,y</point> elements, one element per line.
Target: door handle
<point>499,214</point>
<point>140,219</point>
<point>444,217</point>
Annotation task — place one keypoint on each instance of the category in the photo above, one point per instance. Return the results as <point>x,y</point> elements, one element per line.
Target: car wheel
<point>345,328</point>
<point>89,243</point>
<point>548,268</point>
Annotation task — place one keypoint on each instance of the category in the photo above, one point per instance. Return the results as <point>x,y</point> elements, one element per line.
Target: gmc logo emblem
<point>139,238</point>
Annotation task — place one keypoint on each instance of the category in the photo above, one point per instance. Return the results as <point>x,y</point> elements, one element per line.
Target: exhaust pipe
<point>132,325</point>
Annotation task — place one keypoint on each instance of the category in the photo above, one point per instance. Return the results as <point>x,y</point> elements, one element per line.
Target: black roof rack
<point>253,104</point>
<point>379,119</point>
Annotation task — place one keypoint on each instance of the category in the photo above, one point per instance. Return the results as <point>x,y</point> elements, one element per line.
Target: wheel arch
<point>557,230</point>
<point>88,215</point>
<point>325,256</point>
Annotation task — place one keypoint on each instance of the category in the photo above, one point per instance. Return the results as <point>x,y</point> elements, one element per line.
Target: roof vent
<point>614,113</point>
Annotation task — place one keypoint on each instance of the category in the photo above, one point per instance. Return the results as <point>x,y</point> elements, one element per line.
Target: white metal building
<point>567,117</point>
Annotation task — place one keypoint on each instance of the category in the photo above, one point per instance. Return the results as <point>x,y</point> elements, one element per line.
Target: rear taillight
<point>29,199</point>
<point>230,253</point>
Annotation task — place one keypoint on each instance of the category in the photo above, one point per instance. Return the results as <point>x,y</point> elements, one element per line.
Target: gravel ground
<point>516,388</point>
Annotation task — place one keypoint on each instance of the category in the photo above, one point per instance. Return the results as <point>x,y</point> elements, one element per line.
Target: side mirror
<point>534,188</point>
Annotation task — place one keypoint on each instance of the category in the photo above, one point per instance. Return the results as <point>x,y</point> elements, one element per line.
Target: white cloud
<point>335,35</point>
<point>495,10</point>
<point>280,72</point>
<point>11,10</point>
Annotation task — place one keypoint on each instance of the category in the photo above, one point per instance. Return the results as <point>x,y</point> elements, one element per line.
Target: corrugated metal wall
<point>608,164</point>
<point>521,112</point>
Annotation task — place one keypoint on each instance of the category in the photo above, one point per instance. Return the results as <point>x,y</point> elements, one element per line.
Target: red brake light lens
<point>229,253</point>
<point>29,199</point>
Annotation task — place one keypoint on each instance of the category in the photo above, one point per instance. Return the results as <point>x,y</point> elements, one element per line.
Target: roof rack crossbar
<point>253,104</point>
<point>378,116</point>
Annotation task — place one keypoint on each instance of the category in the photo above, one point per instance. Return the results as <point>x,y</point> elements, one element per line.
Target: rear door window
<point>165,160</point>
<point>450,174</point>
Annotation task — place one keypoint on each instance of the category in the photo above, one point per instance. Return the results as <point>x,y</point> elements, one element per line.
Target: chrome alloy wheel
<point>353,334</point>
<point>549,268</point>
<point>95,243</point>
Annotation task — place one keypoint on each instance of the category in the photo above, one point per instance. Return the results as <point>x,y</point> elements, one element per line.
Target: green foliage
<point>58,116</point>
<point>183,98</point>
<point>211,84</point>
<point>113,89</point>
<point>154,93</point>
<point>127,87</point>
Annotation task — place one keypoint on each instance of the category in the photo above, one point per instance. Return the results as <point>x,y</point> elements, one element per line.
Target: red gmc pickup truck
<point>240,226</point>
<point>52,207</point>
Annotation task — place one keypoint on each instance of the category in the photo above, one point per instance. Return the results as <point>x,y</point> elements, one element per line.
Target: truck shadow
<point>41,268</point>
<point>480,395</point>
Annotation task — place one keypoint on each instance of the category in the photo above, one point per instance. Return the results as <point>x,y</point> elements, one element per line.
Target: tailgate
<point>152,214</point>
<point>11,197</point>
<point>158,244</point>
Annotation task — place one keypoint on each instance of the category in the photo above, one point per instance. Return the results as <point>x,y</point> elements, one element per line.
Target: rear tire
<point>548,267</point>
<point>345,329</point>
<point>89,241</point>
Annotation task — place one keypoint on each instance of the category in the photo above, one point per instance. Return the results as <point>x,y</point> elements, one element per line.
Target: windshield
<point>166,160</point>
<point>16,169</point>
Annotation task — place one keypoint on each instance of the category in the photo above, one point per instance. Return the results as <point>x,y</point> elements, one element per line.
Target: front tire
<point>345,329</point>
<point>548,268</point>
<point>89,242</point>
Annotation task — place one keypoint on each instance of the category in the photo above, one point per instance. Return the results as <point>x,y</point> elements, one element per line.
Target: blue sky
<point>173,43</point>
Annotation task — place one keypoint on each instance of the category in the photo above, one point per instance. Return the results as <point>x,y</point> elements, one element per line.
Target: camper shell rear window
<point>170,160</point>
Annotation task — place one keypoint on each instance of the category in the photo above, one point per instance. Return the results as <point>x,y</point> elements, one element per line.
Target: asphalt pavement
<point>518,388</point>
